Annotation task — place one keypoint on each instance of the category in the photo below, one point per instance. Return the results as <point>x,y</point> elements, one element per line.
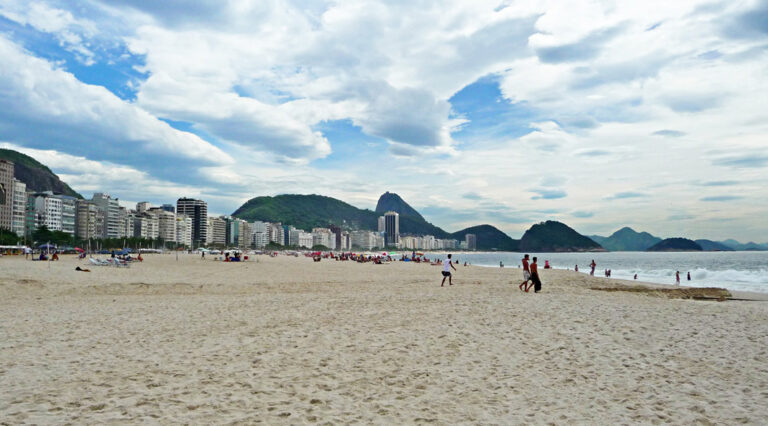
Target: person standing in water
<point>689,275</point>
<point>593,265</point>
<point>677,277</point>
<point>447,265</point>
<point>526,273</point>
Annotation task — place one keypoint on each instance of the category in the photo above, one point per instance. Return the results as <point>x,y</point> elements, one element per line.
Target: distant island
<point>675,244</point>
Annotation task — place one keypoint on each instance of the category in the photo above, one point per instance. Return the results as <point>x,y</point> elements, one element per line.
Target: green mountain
<point>37,176</point>
<point>313,211</point>
<point>626,239</point>
<point>709,245</point>
<point>488,238</point>
<point>675,244</point>
<point>307,212</point>
<point>552,236</point>
<point>390,201</point>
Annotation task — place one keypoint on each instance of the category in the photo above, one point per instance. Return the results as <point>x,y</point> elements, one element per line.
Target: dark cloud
<point>750,24</point>
<point>667,133</point>
<point>587,48</point>
<point>721,198</point>
<point>742,161</point>
<point>548,194</point>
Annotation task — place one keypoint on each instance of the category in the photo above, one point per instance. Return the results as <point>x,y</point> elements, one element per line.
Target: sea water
<point>733,270</point>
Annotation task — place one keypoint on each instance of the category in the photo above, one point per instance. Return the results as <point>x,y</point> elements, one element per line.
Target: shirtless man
<point>526,273</point>
<point>535,281</point>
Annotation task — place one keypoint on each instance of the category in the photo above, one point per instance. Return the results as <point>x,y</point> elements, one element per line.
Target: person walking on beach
<point>593,265</point>
<point>526,273</point>
<point>677,277</point>
<point>535,280</point>
<point>447,265</point>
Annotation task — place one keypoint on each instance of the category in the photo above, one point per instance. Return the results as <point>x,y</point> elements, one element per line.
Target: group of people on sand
<point>530,273</point>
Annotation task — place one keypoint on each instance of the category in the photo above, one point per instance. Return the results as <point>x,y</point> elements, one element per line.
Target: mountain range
<point>311,211</point>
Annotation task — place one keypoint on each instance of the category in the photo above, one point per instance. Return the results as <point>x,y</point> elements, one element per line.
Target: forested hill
<point>37,176</point>
<point>488,238</point>
<point>552,236</point>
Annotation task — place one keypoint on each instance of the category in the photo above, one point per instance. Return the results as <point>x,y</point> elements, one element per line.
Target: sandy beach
<point>287,340</point>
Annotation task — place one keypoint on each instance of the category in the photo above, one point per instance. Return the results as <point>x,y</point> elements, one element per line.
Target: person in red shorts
<point>535,280</point>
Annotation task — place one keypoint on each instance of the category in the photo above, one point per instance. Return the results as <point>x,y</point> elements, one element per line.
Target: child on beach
<point>447,265</point>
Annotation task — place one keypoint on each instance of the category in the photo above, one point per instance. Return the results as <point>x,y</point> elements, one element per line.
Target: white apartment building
<point>113,226</point>
<point>145,225</point>
<point>305,239</point>
<point>246,234</point>
<point>48,209</point>
<point>217,231</point>
<point>275,231</point>
<point>260,239</point>
<point>68,213</point>
<point>365,240</point>
<point>19,207</point>
<point>183,230</point>
<point>166,223</point>
<point>324,237</point>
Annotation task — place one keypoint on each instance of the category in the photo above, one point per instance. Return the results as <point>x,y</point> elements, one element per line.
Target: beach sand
<point>287,340</point>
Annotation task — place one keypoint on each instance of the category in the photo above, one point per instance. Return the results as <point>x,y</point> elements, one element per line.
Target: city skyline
<point>649,115</point>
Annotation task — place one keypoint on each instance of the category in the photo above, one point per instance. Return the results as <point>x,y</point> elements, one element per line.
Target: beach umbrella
<point>46,246</point>
<point>79,250</point>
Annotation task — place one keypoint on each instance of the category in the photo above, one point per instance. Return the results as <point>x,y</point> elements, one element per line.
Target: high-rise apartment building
<point>48,208</point>
<point>68,213</point>
<point>382,224</point>
<point>85,219</point>
<point>471,240</point>
<point>197,210</point>
<point>18,211</point>
<point>166,224</point>
<point>217,231</point>
<point>392,228</point>
<point>112,225</point>
<point>183,230</point>
<point>6,194</point>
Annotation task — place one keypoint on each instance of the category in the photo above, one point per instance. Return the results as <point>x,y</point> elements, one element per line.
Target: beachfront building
<point>299,238</point>
<point>392,228</point>
<point>145,225</point>
<point>183,230</point>
<point>166,224</point>
<point>143,206</point>
<point>19,207</point>
<point>112,226</point>
<point>382,224</point>
<point>323,237</point>
<point>217,231</point>
<point>123,221</point>
<point>6,194</point>
<point>259,239</point>
<point>471,240</point>
<point>246,234</point>
<point>48,209</point>
<point>68,213</point>
<point>85,219</point>
<point>346,241</point>
<point>366,240</point>
<point>276,234</point>
<point>197,210</point>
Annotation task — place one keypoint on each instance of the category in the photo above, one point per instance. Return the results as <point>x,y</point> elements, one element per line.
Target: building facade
<point>85,220</point>
<point>6,194</point>
<point>392,228</point>
<point>183,230</point>
<point>112,226</point>
<point>197,211</point>
<point>18,211</point>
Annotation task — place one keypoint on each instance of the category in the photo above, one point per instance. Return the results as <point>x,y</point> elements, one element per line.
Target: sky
<point>599,114</point>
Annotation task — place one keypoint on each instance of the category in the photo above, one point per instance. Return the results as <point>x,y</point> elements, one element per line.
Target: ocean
<point>740,270</point>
